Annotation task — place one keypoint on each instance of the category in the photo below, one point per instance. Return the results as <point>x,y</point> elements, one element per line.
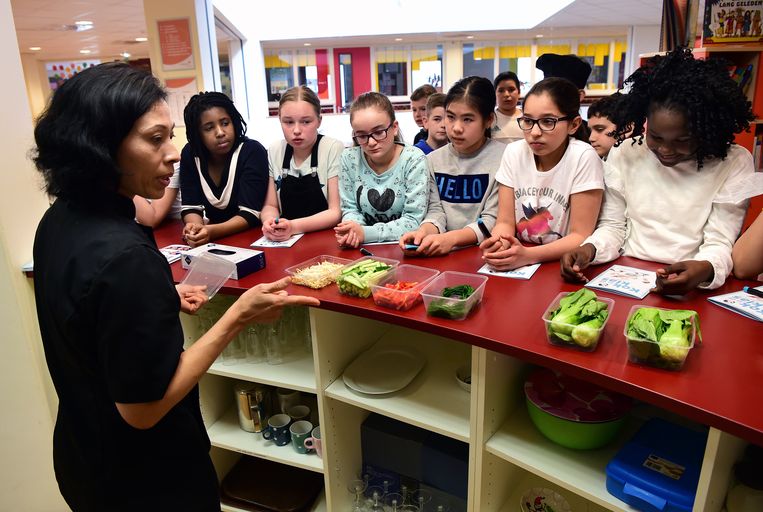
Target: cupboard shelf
<point>529,481</point>
<point>581,472</point>
<point>433,400</point>
<point>225,433</point>
<point>297,373</point>
<point>319,506</point>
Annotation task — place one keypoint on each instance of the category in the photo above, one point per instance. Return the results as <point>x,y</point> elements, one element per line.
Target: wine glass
<point>356,488</point>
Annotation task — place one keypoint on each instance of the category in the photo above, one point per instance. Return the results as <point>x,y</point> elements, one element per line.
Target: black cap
<point>571,67</point>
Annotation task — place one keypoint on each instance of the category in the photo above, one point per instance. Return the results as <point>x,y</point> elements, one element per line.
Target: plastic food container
<point>649,353</point>
<point>584,343</point>
<point>453,308</point>
<point>348,288</point>
<point>574,413</point>
<point>209,270</point>
<point>317,278</point>
<point>402,300</point>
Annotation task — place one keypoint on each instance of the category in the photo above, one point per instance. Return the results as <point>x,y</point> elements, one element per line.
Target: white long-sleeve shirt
<point>672,214</point>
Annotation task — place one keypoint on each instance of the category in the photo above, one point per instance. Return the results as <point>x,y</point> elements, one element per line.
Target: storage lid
<point>573,399</point>
<point>660,464</point>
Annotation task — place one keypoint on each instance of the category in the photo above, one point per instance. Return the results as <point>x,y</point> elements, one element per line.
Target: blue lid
<point>663,460</point>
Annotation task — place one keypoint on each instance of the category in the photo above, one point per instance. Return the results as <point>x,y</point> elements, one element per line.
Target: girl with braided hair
<point>679,199</point>
<point>223,174</point>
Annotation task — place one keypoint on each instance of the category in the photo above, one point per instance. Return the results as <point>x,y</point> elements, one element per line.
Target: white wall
<point>26,432</point>
<point>641,39</point>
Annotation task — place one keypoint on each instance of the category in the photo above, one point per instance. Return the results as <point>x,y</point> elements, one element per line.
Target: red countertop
<point>721,383</point>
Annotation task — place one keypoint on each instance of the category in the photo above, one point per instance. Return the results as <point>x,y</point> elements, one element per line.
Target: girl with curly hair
<point>679,199</point>
<point>223,174</point>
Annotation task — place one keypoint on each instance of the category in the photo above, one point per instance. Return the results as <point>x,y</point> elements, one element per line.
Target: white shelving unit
<point>507,455</point>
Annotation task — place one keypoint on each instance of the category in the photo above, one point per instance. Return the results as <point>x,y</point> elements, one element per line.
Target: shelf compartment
<point>529,481</point>
<point>297,373</point>
<point>226,434</point>
<point>319,506</point>
<point>581,472</point>
<point>433,400</point>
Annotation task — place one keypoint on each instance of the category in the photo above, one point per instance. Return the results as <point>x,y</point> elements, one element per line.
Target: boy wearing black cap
<point>571,67</point>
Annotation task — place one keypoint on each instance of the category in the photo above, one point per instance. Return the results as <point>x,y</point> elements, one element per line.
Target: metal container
<point>253,404</point>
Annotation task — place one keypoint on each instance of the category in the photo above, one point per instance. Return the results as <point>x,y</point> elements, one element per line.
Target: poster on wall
<point>179,91</point>
<point>60,72</point>
<point>175,44</point>
<point>733,21</point>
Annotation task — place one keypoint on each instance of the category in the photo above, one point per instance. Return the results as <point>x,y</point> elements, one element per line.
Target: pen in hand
<point>365,252</point>
<point>483,228</point>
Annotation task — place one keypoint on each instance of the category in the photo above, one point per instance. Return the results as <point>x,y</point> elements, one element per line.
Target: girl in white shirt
<point>681,198</point>
<point>551,184</point>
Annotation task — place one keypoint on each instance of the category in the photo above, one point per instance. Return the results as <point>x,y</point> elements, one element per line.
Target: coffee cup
<point>299,412</point>
<point>287,398</point>
<point>314,442</point>
<point>278,429</point>
<point>300,431</point>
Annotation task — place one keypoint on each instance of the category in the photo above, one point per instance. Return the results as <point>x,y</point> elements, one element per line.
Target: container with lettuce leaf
<point>661,337</point>
<point>577,319</point>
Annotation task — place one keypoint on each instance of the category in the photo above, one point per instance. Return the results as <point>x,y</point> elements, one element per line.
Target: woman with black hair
<point>681,198</point>
<point>223,174</point>
<point>129,434</point>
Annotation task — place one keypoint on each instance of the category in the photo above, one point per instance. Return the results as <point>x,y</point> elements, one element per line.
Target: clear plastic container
<point>580,342</point>
<point>402,300</point>
<point>449,307</point>
<point>209,270</point>
<point>650,353</point>
<point>318,277</point>
<point>349,288</point>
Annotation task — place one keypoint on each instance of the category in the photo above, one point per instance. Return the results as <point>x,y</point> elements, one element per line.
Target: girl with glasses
<point>303,192</point>
<point>550,184</point>
<point>462,184</point>
<point>223,174</point>
<point>681,198</point>
<point>383,183</point>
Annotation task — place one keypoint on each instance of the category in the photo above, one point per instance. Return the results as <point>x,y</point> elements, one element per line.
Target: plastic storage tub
<point>364,289</point>
<point>402,300</point>
<point>449,307</point>
<point>648,352</point>
<point>586,344</point>
<point>303,275</point>
<point>658,470</point>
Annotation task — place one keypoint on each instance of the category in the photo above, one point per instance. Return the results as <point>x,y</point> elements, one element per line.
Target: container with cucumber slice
<point>356,278</point>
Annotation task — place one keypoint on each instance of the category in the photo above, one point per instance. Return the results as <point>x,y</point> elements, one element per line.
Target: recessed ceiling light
<point>538,35</point>
<point>398,39</point>
<point>84,51</point>
<point>470,37</point>
<point>35,48</point>
<point>83,22</point>
<point>126,55</point>
<point>307,44</point>
<point>83,25</point>
<point>141,39</point>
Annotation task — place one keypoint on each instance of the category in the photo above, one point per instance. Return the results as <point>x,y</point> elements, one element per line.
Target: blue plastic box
<point>658,470</point>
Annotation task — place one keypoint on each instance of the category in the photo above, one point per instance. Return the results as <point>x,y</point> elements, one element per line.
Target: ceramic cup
<point>300,431</point>
<point>315,443</point>
<point>299,412</point>
<point>287,398</point>
<point>278,429</point>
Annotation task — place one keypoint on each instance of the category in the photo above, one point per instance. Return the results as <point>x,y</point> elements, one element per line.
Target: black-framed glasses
<point>377,135</point>
<point>546,124</point>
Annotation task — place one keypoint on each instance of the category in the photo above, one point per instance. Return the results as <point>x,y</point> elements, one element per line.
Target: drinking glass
<point>256,351</point>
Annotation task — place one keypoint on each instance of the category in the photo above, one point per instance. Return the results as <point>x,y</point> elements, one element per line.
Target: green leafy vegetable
<point>661,337</point>
<point>578,319</point>
<point>452,305</point>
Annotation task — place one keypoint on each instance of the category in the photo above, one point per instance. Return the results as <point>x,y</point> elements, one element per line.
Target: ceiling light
<point>125,55</point>
<point>398,39</point>
<point>35,48</point>
<point>83,25</point>
<point>307,44</point>
<point>141,39</point>
<point>470,37</point>
<point>84,51</point>
<point>538,35</point>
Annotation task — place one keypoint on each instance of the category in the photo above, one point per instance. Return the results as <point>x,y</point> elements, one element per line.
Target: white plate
<point>384,370</point>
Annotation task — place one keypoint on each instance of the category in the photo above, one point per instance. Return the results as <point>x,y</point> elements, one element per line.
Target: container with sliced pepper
<point>453,295</point>
<point>401,288</point>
